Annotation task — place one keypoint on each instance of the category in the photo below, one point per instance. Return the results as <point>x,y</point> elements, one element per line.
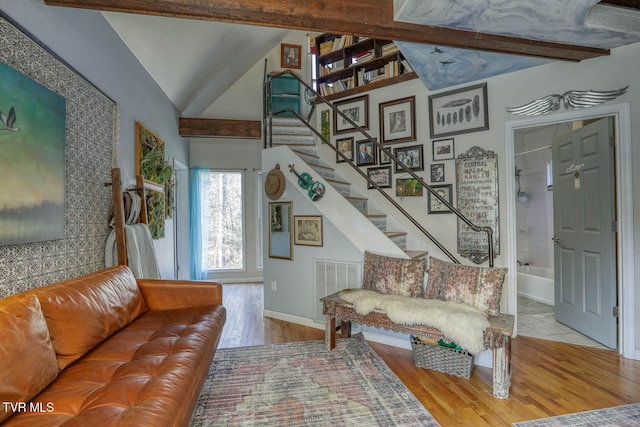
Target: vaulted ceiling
<point>476,39</point>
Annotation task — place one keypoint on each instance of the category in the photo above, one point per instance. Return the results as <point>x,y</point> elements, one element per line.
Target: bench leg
<point>330,332</point>
<point>502,370</point>
<point>345,329</point>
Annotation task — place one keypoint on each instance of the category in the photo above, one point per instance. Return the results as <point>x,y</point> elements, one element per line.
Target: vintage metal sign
<point>477,197</point>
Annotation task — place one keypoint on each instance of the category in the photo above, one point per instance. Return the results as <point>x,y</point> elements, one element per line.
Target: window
<point>222,213</point>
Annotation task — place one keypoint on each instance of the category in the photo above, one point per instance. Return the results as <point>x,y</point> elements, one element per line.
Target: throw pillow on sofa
<point>27,359</point>
<point>394,276</point>
<point>477,286</point>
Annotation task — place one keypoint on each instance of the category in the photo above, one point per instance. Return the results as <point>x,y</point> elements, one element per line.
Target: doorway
<point>556,300</point>
<point>624,205</point>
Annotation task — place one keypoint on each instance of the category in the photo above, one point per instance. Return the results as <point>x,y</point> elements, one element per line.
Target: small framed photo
<point>437,172</point>
<point>434,205</point>
<point>356,109</point>
<point>443,149</point>
<point>344,146</point>
<point>408,187</point>
<point>412,157</point>
<point>398,120</point>
<point>383,157</point>
<point>381,175</point>
<point>290,55</point>
<point>459,111</point>
<point>307,230</point>
<point>366,153</point>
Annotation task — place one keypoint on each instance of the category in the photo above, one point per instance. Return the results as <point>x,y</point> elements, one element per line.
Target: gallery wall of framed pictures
<point>418,132</point>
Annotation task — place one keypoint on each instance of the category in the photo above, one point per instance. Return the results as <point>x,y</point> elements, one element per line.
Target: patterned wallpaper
<point>91,126</point>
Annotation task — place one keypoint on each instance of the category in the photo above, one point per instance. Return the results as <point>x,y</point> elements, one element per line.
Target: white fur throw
<point>464,324</point>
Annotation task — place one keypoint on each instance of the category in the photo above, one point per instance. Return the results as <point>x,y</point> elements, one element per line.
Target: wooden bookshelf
<point>347,65</point>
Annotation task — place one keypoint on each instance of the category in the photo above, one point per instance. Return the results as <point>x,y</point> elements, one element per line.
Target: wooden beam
<point>372,18</point>
<point>220,128</point>
<point>633,4</point>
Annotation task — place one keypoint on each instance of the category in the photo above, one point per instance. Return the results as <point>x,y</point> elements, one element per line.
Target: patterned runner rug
<point>303,384</point>
<point>618,416</point>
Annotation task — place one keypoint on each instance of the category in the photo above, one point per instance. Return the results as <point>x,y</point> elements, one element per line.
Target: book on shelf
<point>390,48</point>
<point>407,66</point>
<point>326,47</point>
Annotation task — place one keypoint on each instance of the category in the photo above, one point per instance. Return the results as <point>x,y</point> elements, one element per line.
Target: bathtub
<point>536,283</point>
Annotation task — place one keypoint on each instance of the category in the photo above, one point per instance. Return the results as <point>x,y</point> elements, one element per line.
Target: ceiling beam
<point>220,128</point>
<point>633,4</point>
<point>372,18</point>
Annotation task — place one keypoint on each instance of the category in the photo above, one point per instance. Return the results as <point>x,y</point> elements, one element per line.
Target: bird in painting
<point>443,63</point>
<point>9,120</point>
<point>436,49</point>
<point>573,99</point>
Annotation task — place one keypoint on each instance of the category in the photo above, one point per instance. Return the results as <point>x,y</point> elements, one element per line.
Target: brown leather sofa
<point>107,349</point>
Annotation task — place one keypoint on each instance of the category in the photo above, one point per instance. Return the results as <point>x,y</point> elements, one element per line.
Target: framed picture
<point>307,230</point>
<point>434,205</point>
<point>412,157</point>
<point>443,149</point>
<point>459,111</point>
<point>408,187</point>
<point>398,121</point>
<point>290,55</point>
<point>437,172</point>
<point>381,175</point>
<point>356,109</point>
<point>325,129</point>
<point>366,153</point>
<point>344,146</point>
<point>383,158</point>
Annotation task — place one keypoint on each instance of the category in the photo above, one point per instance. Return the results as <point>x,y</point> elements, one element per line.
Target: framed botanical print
<point>408,187</point>
<point>459,111</point>
<point>398,121</point>
<point>356,109</point>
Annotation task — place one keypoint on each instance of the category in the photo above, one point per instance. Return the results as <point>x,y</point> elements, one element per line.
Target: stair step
<point>359,203</point>
<point>399,238</point>
<point>307,148</point>
<point>324,171</point>
<point>292,139</point>
<point>279,120</point>
<point>291,130</point>
<point>309,157</point>
<point>342,187</point>
<point>416,254</point>
<point>380,221</point>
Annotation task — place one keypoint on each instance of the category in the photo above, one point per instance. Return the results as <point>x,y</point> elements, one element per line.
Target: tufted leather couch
<point>107,349</point>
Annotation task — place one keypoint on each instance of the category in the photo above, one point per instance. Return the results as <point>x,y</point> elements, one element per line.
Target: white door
<point>584,232</point>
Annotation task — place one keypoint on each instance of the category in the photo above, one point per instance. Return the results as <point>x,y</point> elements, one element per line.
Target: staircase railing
<point>268,115</point>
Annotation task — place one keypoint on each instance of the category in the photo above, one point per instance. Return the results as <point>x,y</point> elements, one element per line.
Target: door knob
<point>556,239</point>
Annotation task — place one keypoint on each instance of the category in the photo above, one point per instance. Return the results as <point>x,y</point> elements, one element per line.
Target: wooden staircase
<point>294,134</point>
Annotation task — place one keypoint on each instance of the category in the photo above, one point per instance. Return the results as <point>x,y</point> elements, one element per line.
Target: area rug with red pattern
<point>304,384</point>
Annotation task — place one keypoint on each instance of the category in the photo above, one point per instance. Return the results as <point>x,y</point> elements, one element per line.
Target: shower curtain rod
<point>531,151</point>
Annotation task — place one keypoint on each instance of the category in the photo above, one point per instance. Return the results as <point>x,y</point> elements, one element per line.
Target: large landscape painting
<point>32,160</point>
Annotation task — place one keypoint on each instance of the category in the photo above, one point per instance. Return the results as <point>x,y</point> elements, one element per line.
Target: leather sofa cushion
<point>148,374</point>
<point>82,312</point>
<point>27,360</point>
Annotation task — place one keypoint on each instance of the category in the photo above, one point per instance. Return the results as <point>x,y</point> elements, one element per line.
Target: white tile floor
<point>544,326</point>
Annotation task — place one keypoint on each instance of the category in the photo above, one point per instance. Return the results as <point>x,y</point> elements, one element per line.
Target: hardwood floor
<point>549,378</point>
